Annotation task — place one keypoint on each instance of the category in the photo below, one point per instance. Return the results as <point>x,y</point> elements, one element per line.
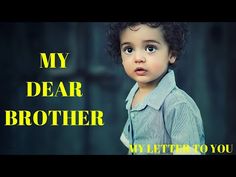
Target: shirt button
<point>132,116</point>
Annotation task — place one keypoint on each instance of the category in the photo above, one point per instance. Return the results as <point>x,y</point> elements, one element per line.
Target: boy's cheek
<point>161,64</point>
<point>157,66</point>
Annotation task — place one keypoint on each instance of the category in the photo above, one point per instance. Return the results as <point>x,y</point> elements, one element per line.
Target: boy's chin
<point>145,82</point>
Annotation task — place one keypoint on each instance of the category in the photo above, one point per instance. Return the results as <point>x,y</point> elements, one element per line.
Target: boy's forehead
<point>142,32</point>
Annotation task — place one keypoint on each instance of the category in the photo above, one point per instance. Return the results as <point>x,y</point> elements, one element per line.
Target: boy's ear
<point>172,59</point>
<point>173,56</point>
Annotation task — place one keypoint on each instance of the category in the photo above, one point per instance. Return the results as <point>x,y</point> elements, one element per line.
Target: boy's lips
<point>140,71</point>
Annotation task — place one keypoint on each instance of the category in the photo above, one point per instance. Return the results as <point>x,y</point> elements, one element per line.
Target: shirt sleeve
<point>124,138</point>
<point>184,125</point>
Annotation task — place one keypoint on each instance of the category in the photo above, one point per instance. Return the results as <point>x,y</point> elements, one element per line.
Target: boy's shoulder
<point>178,97</point>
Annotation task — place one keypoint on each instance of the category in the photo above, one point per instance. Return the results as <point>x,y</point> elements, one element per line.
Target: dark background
<point>206,72</point>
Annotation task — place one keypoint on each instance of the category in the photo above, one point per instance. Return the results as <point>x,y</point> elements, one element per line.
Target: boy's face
<point>145,54</point>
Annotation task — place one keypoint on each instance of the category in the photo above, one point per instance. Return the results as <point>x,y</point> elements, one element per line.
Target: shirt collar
<point>157,96</point>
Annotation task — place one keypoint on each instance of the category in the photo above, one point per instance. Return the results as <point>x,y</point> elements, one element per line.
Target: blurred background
<point>206,72</point>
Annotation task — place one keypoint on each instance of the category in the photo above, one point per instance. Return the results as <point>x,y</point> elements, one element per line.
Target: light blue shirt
<point>167,115</point>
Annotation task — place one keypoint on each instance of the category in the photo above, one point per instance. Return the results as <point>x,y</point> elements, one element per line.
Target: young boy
<point>162,119</point>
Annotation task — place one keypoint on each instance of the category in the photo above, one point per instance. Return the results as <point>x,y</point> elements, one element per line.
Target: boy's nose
<point>139,58</point>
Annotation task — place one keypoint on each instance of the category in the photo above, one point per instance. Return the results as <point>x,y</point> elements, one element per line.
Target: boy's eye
<point>128,50</point>
<point>151,48</point>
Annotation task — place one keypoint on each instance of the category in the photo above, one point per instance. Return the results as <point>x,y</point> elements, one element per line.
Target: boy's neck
<point>142,92</point>
<point>144,89</point>
<point>147,87</point>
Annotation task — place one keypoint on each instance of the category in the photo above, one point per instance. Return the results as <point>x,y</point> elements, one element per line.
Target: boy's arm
<point>184,125</point>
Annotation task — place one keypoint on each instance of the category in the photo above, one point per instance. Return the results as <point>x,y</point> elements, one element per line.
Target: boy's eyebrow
<point>125,43</point>
<point>144,41</point>
<point>151,41</point>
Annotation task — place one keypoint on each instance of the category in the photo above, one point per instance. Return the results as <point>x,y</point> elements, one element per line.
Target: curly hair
<point>175,34</point>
